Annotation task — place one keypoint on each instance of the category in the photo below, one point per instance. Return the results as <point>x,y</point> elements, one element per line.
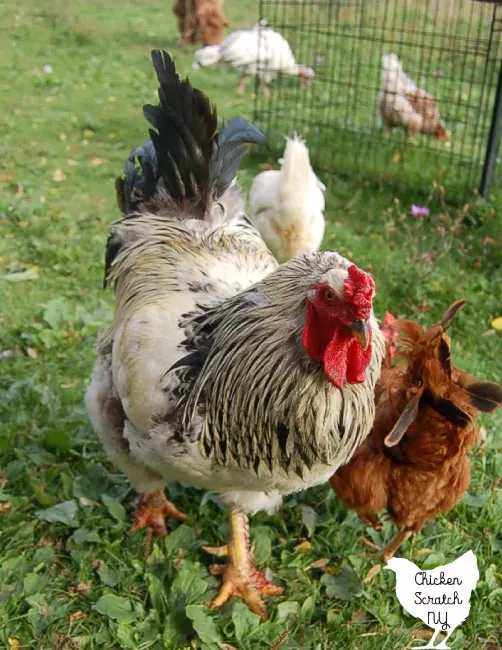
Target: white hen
<point>287,205</point>
<point>258,52</point>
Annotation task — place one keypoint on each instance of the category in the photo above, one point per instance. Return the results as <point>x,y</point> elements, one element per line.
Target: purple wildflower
<point>420,211</point>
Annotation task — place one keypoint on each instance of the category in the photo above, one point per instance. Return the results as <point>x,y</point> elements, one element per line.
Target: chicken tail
<point>394,78</point>
<point>186,163</point>
<point>297,176</point>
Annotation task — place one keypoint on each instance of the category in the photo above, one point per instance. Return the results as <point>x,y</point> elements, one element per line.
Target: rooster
<point>220,369</point>
<point>402,104</point>
<point>415,463</point>
<point>260,52</point>
<point>287,206</point>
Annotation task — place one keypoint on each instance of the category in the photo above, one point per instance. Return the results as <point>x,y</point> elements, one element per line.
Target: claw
<point>219,551</point>
<point>152,511</point>
<point>240,576</point>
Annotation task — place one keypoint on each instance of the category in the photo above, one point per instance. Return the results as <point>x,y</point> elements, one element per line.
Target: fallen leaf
<point>13,644</point>
<point>5,506</point>
<point>84,586</point>
<point>96,162</point>
<point>304,546</point>
<point>5,178</point>
<point>360,616</point>
<point>497,323</point>
<point>318,564</point>
<point>63,642</point>
<point>375,570</point>
<point>72,163</point>
<point>422,635</point>
<point>76,615</point>
<point>32,353</point>
<point>58,175</point>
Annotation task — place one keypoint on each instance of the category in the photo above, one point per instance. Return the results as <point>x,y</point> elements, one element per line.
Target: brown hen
<point>415,463</point>
<point>200,20</point>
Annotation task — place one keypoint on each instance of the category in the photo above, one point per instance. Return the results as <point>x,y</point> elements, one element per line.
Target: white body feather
<point>287,205</point>
<point>259,51</point>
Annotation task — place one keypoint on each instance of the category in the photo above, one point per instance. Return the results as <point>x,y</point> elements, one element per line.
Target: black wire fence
<point>450,48</point>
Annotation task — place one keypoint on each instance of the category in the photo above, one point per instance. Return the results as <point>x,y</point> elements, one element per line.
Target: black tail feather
<point>185,135</point>
<point>194,164</point>
<point>140,184</point>
<point>231,149</point>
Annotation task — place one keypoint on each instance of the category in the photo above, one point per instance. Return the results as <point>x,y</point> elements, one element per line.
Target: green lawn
<point>72,577</point>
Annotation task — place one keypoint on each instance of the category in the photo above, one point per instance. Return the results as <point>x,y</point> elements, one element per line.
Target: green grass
<point>80,580</point>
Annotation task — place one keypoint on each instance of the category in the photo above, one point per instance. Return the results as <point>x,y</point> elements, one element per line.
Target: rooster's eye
<point>329,295</point>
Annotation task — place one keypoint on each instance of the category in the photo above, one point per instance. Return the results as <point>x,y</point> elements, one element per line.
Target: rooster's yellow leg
<point>152,511</point>
<point>241,578</point>
<point>390,549</point>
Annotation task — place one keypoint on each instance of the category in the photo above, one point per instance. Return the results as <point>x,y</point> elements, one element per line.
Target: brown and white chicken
<point>403,104</point>
<point>286,205</point>
<point>221,369</point>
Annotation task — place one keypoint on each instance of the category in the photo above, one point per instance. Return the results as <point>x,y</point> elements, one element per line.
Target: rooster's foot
<point>152,511</point>
<point>240,576</point>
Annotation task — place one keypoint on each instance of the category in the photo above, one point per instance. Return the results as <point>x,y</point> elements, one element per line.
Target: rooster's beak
<point>361,332</point>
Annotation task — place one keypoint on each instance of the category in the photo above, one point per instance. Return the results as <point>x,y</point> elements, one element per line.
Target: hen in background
<point>287,205</point>
<point>260,52</point>
<point>415,463</point>
<point>404,105</point>
<point>200,19</point>
<point>221,369</point>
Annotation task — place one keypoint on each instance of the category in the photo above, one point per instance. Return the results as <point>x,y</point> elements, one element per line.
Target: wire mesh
<point>450,48</point>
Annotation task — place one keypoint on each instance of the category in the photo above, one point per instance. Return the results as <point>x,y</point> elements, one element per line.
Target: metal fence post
<point>493,141</point>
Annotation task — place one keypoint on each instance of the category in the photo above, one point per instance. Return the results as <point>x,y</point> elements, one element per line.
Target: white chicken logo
<point>439,597</point>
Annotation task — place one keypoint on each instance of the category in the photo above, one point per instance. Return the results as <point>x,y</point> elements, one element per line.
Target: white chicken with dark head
<point>221,369</point>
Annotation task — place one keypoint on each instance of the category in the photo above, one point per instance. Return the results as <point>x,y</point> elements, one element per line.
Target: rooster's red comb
<point>359,289</point>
